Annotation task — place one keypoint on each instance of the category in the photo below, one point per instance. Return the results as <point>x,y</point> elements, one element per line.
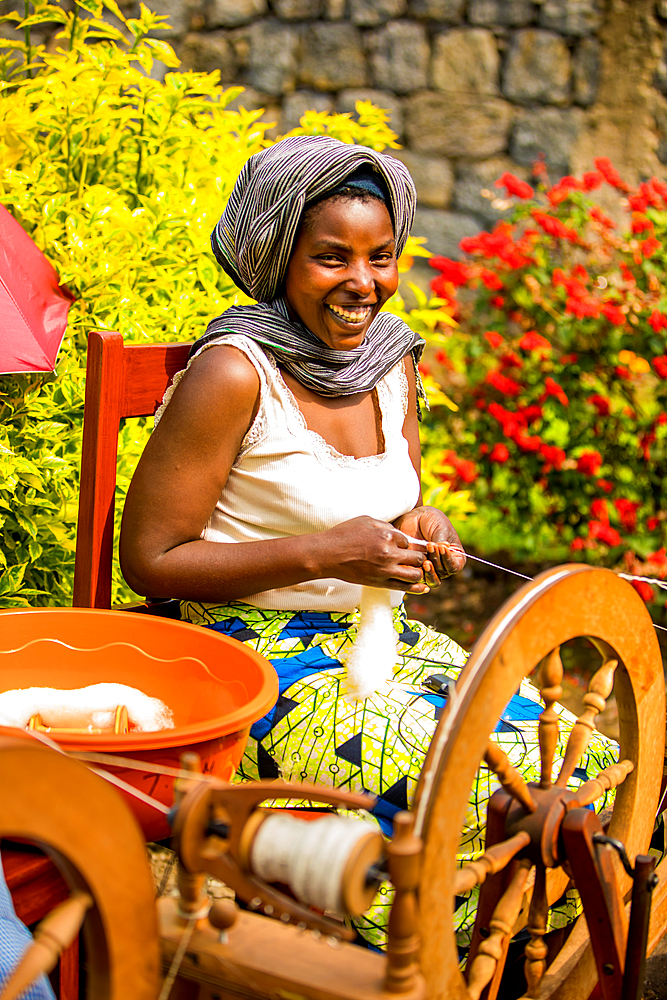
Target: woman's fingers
<point>451,558</point>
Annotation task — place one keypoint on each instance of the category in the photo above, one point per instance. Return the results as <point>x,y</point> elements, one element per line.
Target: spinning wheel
<point>55,802</point>
<point>529,822</point>
<point>84,826</point>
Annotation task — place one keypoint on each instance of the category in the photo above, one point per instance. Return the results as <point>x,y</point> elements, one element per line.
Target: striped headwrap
<point>253,242</point>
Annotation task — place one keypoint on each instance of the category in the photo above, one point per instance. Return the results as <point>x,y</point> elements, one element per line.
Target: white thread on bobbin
<point>371,661</point>
<point>309,857</point>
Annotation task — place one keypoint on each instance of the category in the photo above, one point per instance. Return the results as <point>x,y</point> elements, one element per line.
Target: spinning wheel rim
<point>560,604</point>
<point>93,839</point>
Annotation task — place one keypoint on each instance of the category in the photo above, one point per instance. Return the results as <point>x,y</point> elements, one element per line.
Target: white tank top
<point>286,480</point>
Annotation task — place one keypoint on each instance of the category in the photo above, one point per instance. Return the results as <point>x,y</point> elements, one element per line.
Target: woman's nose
<point>361,277</point>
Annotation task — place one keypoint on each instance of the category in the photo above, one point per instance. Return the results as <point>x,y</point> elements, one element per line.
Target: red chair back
<point>122,380</point>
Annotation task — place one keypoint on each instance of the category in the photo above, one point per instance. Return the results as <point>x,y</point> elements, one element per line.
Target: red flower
<point>660,365</point>
<point>659,559</point>
<point>569,359</point>
<point>463,467</point>
<point>605,485</point>
<point>467,471</point>
<point>592,179</point>
<point>599,216</point>
<point>511,360</point>
<point>497,301</point>
<point>599,510</point>
<point>645,590</point>
<point>532,413</point>
<point>491,279</point>
<point>589,463</point>
<point>640,223</point>
<point>603,532</point>
<point>552,388</point>
<point>499,453</point>
<point>533,341</point>
<point>500,244</point>
<point>601,404</point>
<point>650,246</point>
<point>583,305</point>
<point>553,456</point>
<point>652,523</point>
<point>515,186</point>
<point>577,545</point>
<point>627,511</point>
<point>609,172</point>
<point>560,191</point>
<point>454,271</point>
<point>503,384</point>
<point>528,443</point>
<point>554,227</point>
<point>493,338</point>
<point>658,321</point>
<point>613,313</point>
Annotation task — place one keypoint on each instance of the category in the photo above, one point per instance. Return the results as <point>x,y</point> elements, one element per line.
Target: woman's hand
<point>374,554</point>
<point>444,552</point>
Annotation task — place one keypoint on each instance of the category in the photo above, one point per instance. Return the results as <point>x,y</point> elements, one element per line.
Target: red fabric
<point>33,304</point>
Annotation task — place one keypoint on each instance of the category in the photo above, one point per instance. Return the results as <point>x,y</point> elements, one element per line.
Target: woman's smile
<point>342,269</point>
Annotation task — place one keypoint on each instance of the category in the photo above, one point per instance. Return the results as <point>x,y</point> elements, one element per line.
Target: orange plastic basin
<point>215,687</point>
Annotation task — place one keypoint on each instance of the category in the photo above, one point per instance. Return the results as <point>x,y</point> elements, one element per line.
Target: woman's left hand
<point>446,555</point>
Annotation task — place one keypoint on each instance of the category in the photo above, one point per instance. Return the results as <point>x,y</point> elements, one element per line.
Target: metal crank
<point>564,834</point>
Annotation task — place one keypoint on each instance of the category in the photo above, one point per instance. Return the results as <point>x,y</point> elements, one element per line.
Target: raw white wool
<point>373,656</point>
<point>90,707</point>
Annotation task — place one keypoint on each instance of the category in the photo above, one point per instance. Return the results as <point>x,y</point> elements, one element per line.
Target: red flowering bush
<point>559,368</point>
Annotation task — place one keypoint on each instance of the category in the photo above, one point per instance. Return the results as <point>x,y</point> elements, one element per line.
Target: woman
<point>283,477</point>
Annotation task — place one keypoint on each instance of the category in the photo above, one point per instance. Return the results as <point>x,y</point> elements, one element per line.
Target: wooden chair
<point>122,380</point>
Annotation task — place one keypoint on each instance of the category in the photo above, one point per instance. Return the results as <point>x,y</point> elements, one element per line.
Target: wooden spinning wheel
<point>56,803</point>
<point>92,838</point>
<point>559,605</point>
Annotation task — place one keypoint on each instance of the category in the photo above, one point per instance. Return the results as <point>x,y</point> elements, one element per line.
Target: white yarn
<point>91,707</point>
<point>373,656</point>
<point>309,857</point>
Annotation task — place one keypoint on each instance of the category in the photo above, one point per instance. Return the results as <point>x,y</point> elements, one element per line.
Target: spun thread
<point>308,857</point>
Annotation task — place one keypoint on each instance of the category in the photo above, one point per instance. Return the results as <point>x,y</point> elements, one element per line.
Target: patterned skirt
<point>378,745</point>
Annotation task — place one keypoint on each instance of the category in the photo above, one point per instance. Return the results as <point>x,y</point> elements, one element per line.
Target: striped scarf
<point>253,242</point>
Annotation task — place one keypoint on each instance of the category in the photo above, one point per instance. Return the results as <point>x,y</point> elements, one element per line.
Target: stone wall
<point>474,87</point>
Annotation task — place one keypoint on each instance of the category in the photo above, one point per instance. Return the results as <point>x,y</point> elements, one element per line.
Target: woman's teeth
<point>357,315</point>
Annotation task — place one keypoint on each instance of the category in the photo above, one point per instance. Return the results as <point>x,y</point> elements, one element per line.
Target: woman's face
<point>342,270</point>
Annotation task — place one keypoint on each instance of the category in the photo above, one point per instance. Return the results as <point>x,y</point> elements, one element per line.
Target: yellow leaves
<point>636,364</point>
<point>435,395</point>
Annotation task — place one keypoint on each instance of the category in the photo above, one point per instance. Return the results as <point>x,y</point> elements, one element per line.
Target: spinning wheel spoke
<point>492,861</point>
<point>611,777</point>
<point>551,677</point>
<point>53,935</point>
<point>508,776</point>
<point>536,949</point>
<point>501,926</point>
<point>595,701</point>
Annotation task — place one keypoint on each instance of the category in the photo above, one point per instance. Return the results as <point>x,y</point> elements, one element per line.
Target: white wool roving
<point>373,656</point>
<point>91,707</point>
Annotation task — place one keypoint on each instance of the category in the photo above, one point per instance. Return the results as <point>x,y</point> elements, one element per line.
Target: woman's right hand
<point>374,554</point>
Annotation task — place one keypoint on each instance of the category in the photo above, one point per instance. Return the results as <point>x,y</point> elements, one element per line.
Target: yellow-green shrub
<point>119,179</point>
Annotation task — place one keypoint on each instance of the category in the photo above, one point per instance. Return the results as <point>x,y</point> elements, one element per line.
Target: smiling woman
<point>282,483</point>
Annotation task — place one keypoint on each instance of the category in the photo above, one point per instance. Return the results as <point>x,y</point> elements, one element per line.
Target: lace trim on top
<point>258,427</point>
<point>324,452</point>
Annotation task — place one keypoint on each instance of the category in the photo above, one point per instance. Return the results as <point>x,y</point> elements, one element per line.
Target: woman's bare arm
<point>179,479</point>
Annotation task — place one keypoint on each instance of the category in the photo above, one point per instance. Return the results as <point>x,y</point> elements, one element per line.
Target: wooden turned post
<point>403,938</point>
<point>191,886</point>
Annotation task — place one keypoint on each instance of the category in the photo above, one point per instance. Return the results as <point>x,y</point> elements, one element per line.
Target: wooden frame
<point>122,380</point>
